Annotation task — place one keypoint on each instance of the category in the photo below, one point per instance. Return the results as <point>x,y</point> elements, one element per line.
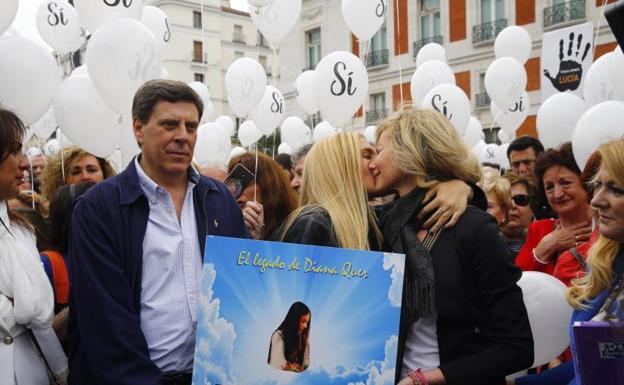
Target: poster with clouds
<point>567,54</point>
<point>285,314</point>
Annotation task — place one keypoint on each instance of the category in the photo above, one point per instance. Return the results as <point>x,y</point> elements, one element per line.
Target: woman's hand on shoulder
<point>447,201</point>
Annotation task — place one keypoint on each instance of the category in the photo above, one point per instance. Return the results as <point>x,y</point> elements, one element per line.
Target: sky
<point>25,19</point>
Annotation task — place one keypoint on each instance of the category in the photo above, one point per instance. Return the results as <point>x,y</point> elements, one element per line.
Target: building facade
<point>466,28</point>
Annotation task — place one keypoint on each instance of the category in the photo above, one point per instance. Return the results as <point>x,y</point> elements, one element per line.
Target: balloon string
<point>203,40</point>
<point>256,173</point>
<point>398,13</point>
<point>495,119</point>
<point>32,183</point>
<point>59,135</point>
<point>276,64</point>
<point>598,29</point>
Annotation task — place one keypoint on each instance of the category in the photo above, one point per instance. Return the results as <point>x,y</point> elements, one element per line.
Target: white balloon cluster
<point>92,106</point>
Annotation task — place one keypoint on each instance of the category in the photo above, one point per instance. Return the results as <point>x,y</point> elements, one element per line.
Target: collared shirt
<point>172,267</point>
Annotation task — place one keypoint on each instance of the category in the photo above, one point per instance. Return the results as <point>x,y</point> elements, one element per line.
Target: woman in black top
<point>463,319</point>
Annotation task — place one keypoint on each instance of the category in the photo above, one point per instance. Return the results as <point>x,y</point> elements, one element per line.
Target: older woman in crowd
<point>26,302</point>
<point>76,166</point>
<point>463,318</point>
<point>559,179</point>
<point>521,211</point>
<point>270,188</point>
<point>498,195</point>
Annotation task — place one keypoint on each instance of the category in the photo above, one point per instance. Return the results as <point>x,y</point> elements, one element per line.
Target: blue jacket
<point>106,344</point>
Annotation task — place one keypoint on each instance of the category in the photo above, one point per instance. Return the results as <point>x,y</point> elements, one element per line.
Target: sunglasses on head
<point>521,200</point>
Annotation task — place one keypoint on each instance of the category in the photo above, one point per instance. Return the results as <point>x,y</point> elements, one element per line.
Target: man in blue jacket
<point>136,251</point>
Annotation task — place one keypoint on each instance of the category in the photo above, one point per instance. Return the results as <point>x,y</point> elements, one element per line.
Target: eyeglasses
<point>521,200</point>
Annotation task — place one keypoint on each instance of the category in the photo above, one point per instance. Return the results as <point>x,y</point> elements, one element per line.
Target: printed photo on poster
<point>285,314</point>
<point>567,54</point>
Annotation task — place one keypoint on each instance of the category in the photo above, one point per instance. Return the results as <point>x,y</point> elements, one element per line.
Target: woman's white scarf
<point>23,279</point>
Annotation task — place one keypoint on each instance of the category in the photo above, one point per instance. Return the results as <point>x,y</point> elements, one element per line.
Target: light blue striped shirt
<point>172,268</point>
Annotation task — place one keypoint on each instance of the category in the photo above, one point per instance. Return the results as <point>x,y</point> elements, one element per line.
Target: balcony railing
<point>239,37</point>
<point>482,101</point>
<point>487,32</point>
<point>377,58</point>
<point>376,115</point>
<point>422,42</point>
<point>564,13</point>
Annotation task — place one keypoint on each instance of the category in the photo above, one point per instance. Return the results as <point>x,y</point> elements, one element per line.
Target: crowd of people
<point>100,272</point>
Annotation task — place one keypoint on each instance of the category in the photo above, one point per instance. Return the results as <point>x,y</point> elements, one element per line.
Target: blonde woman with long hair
<point>599,295</point>
<point>463,319</point>
<point>334,208</point>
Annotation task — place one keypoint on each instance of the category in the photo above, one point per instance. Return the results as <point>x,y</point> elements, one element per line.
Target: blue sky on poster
<point>25,19</point>
<point>258,303</point>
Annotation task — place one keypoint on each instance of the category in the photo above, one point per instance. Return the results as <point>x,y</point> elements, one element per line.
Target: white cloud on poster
<point>215,344</point>
<point>396,262</point>
<point>383,374</point>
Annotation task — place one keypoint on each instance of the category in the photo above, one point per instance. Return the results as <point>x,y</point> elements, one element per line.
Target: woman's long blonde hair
<point>427,147</point>
<point>332,180</point>
<point>604,252</point>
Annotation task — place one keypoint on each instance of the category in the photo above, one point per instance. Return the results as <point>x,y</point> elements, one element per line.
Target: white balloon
<point>452,102</point>
<point>305,92</point>
<point>364,17</point>
<point>490,154</point>
<point>514,42</point>
<point>597,87</point>
<point>260,3</point>
<point>80,71</point>
<point>8,10</point>
<point>204,94</point>
<point>59,26</point>
<point>63,140</point>
<point>269,113</point>
<point>11,32</point>
<point>511,118</point>
<point>227,123</point>
<point>504,137</point>
<point>549,314</point>
<point>557,118</point>
<point>476,150</point>
<point>323,130</point>
<point>600,124</point>
<point>33,152</point>
<point>502,156</point>
<point>505,81</point>
<point>341,86</point>
<point>29,77</point>
<point>431,51</point>
<point>236,151</point>
<point>95,13</point>
<point>248,133</point>
<point>474,132</point>
<point>615,72</point>
<point>245,82</point>
<point>276,20</point>
<point>128,145</point>
<point>51,148</point>
<point>121,56</point>
<point>428,75</point>
<point>370,133</point>
<point>213,145</point>
<point>157,22</point>
<point>294,132</point>
<point>88,121</point>
<point>45,126</point>
<point>284,148</point>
